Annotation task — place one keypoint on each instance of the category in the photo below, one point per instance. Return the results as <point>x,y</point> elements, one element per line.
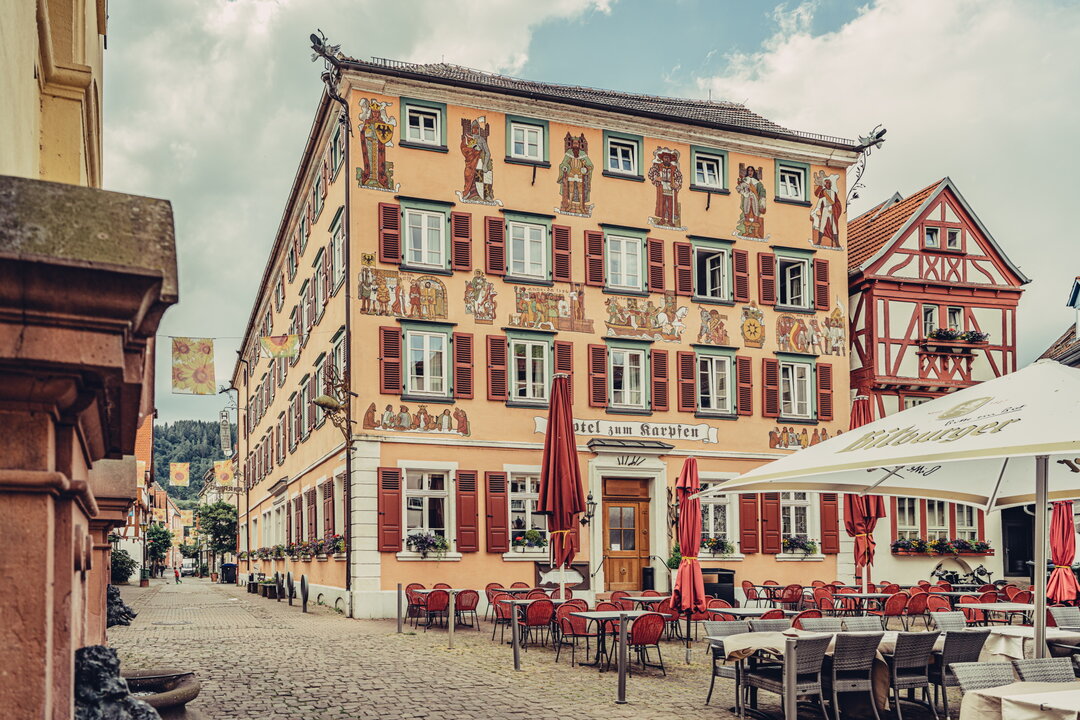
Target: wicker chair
<point>489,590</point>
<point>853,667</point>
<point>1066,617</point>
<point>441,586</point>
<point>909,668</point>
<point>519,585</point>
<point>808,657</point>
<point>960,647</point>
<point>769,625</point>
<point>722,628</point>
<point>862,623</point>
<point>981,675</point>
<point>916,608</point>
<point>935,604</point>
<point>1052,669</point>
<point>951,621</point>
<point>833,625</point>
<point>537,620</point>
<point>894,606</point>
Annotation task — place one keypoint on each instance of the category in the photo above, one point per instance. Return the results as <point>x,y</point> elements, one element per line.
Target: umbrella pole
<point>688,613</point>
<point>1041,533</point>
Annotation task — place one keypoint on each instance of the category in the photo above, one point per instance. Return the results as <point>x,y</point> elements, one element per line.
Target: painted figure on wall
<point>791,438</point>
<point>752,325</point>
<point>667,178</point>
<point>376,134</point>
<point>792,334</point>
<point>712,330</point>
<point>752,196</point>
<point>550,309</point>
<point>479,185</point>
<point>403,419</point>
<point>390,293</point>
<point>646,320</point>
<point>480,298</point>
<point>575,177</point>
<point>836,332</point>
<point>827,211</point>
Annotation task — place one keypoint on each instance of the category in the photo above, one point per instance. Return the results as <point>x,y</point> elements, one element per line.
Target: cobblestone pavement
<point>259,658</point>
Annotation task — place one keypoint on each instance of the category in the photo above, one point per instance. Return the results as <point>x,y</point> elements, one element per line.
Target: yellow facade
<point>455,437</point>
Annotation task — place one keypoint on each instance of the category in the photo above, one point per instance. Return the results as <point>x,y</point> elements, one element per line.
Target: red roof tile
<point>1067,344</point>
<point>870,231</point>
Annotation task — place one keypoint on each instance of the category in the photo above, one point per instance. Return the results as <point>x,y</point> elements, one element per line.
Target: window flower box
<point>339,556</point>
<point>939,548</point>
<point>321,558</point>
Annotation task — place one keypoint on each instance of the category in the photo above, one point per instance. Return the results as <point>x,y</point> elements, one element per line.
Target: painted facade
<point>631,286</point>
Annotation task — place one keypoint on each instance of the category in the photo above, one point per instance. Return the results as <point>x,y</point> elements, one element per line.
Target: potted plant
<point>974,336</point>
<point>334,545</point>
<point>799,543</point>
<point>425,543</point>
<point>717,546</point>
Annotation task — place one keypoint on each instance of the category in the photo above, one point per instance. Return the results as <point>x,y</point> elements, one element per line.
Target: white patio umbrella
<point>1005,442</point>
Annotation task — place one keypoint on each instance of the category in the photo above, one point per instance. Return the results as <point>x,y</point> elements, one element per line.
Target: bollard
<point>399,608</point>
<point>303,592</point>
<point>290,587</point>
<point>279,587</point>
<point>514,635</point>
<point>620,699</point>
<point>791,704</point>
<point>451,617</point>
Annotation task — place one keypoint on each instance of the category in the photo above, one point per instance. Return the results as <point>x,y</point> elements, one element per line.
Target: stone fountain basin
<point>167,691</point>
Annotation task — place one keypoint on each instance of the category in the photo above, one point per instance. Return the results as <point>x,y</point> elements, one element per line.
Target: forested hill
<point>191,441</point>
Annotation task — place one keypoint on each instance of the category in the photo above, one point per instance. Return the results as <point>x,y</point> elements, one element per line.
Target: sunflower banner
<point>280,346</point>
<point>179,474</point>
<point>159,515</point>
<point>193,366</point>
<point>187,518</point>
<point>223,473</point>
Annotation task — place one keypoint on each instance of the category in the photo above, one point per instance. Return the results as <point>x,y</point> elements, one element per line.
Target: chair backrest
<point>862,623</point>
<point>990,596</point>
<point>855,652</point>
<point>414,586</point>
<point>502,610</point>
<point>618,595</point>
<point>963,646</point>
<point>774,614</point>
<point>792,593</point>
<point>563,610</point>
<point>982,675</point>
<point>988,587</point>
<point>1051,669</point>
<point>438,600</point>
<point>651,593</point>
<point>871,587</point>
<point>539,612</point>
<point>718,603</point>
<point>890,588</point>
<point>920,590</point>
<point>646,629</point>
<point>824,599</point>
<point>971,614</point>
<point>723,628</point>
<point>562,594</point>
<point>538,594</point>
<point>809,654</point>
<point>577,604</point>
<point>606,606</point>
<point>937,604</point>
<point>1010,591</point>
<point>1066,616</point>
<point>913,650</point>
<point>817,583</point>
<point>822,624</point>
<point>796,622</point>
<point>467,600</point>
<point>916,605</point>
<point>924,583</point>
<point>668,610</point>
<point>441,586</point>
<point>944,586</point>
<point>770,582</point>
<point>769,625</point>
<point>1024,596</point>
<point>492,585</point>
<point>520,584</point>
<point>625,604</point>
<point>895,604</point>
<point>949,621</point>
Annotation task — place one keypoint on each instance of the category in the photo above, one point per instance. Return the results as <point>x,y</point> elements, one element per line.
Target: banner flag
<point>159,515</point>
<point>223,472</point>
<point>280,346</point>
<point>187,518</point>
<point>193,366</point>
<point>179,473</point>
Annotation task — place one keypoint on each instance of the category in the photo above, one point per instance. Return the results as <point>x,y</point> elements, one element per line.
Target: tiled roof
<point>726,115</point>
<point>144,440</point>
<point>869,232</point>
<point>1066,347</point>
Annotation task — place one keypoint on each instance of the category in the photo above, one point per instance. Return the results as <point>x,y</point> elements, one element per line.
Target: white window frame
<point>790,283</point>
<point>305,405</point>
<point>714,257</point>
<point>526,130</point>
<point>534,251</point>
<point>415,133</point>
<point>619,246</point>
<point>316,195</point>
<point>730,500</point>
<point>935,530</point>
<point>709,370</point>
<point>337,258</point>
<point>279,294</point>
<point>318,279</point>
<point>320,383</point>
<point>792,182</point>
<point>929,319</point>
<point>702,161</point>
<point>799,379</point>
<point>621,357</point>
<point>907,518</point>
<point>791,502</point>
<point>627,151</point>
<point>530,500</point>
<point>427,348</point>
<point>425,250</point>
<point>951,233</point>
<point>425,494</point>
<point>336,156</point>
<point>959,312</point>
<point>964,529</point>
<point>338,355</point>
<point>932,232</point>
<point>529,379</point>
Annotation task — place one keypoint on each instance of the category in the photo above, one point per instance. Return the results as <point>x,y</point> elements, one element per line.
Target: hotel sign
<point>701,432</point>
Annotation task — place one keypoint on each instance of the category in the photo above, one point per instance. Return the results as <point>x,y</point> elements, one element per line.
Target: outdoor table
<point>515,591</point>
<point>427,591</point>
<point>748,612</point>
<point>529,601</point>
<point>644,600</point>
<point>1022,701</point>
<point>602,620</point>
<point>1001,607</point>
<point>1018,641</point>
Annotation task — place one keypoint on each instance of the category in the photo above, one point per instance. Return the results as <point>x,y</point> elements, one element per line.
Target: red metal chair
<point>441,586</point>
<point>972,615</point>
<point>791,597</point>
<point>438,604</point>
<point>924,583</point>
<point>537,620</point>
<point>652,593</point>
<point>796,622</point>
<point>605,606</point>
<point>774,614</point>
<point>1010,592</point>
<point>520,584</point>
<point>562,594</point>
<point>772,592</point>
<point>936,603</point>
<point>944,586</point>
<point>824,601</point>
<point>489,592</point>
<point>578,604</point>
<point>718,604</point>
<point>619,598</point>
<point>503,612</point>
<point>871,587</point>
<point>645,633</point>
<point>671,616</point>
<point>537,594</point>
<point>894,607</point>
<point>916,608</point>
<point>1024,597</point>
<point>465,603</point>
<point>988,587</point>
<point>750,593</point>
<point>417,602</point>
<point>890,588</point>
<point>847,604</point>
<point>572,628</point>
<point>817,583</point>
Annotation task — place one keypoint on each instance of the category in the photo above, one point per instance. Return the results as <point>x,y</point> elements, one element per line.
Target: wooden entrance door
<point>626,533</point>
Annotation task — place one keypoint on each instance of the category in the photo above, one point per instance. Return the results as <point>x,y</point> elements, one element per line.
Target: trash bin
<point>648,578</point>
<point>724,587</point>
<point>228,573</point>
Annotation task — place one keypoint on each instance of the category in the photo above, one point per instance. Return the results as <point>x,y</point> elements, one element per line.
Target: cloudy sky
<point>208,104</point>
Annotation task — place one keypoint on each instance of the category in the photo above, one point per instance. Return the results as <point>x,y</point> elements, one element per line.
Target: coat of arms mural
<point>376,134</point>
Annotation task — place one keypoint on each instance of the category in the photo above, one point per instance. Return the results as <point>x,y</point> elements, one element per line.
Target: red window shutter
<point>740,261</point>
<point>390,510</point>
<point>328,277</point>
<point>325,178</point>
<point>496,361</point>
<point>468,528</point>
<point>684,268</point>
<point>494,246</point>
<point>598,376</point>
<point>390,379</point>
<point>655,250</point>
<point>892,517</point>
<point>560,245</point>
<point>594,257</point>
<point>463,365</point>
<point>312,530</point>
<point>288,523</point>
<point>748,523</point>
<point>659,367</point>
<point>830,523</point>
<point>770,387</point>
<point>564,361</point>
<point>821,284</point>
<point>328,507</point>
<point>981,524</point>
<point>744,379</point>
<point>298,512</point>
<point>498,513</point>
<point>313,392</point>
<point>390,233</point>
<point>770,523</point>
<point>687,401</point>
<point>824,392</point>
<point>461,241</point>
<point>766,278</point>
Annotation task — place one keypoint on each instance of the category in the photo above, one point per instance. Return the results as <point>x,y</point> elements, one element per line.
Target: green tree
<point>190,550</point>
<point>217,523</point>
<point>123,565</point>
<point>192,441</point>
<point>158,542</point>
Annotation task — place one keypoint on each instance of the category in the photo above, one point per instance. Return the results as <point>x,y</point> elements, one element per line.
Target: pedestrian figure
<point>176,572</point>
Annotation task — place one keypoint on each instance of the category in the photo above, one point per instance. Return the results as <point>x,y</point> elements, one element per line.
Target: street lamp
<point>590,509</point>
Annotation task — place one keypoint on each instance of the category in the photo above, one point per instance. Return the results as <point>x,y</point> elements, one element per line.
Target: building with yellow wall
<point>458,239</point>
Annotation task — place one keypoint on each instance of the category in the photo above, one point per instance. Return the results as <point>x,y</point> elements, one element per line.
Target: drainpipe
<point>347,489</point>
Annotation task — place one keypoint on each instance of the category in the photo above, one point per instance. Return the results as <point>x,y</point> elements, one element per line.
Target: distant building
<point>1066,349</point>
<point>132,534</point>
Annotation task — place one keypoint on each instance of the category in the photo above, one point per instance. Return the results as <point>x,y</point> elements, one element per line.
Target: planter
<point>321,558</point>
<point>934,554</point>
<point>519,548</point>
<point>339,556</point>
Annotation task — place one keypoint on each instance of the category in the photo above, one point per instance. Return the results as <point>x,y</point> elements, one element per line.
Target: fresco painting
<point>752,204</point>
<point>825,215</point>
<point>667,178</point>
<point>447,421</point>
<point>575,177</point>
<point>795,438</point>
<point>642,318</point>
<point>479,178</point>
<point>713,327</point>
<point>752,326</point>
<point>550,309</point>
<point>376,134</point>
<point>480,298</point>
<point>390,293</point>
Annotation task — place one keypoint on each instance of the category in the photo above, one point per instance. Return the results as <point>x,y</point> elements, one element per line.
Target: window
<point>955,317</point>
<point>304,231</point>
<point>427,358</point>
<point>423,126</point>
<point>795,390</point>
<point>794,514</point>
<point>530,370</point>
<point>526,141</point>
<point>907,519</point>
<point>528,251</point>
<point>929,319</point>
<point>336,155</point>
<point>967,522</point>
<point>930,237</point>
<point>291,261</point>
<point>425,245</point>
<point>792,181</point>
<point>317,195</point>
<point>426,498</point>
<point>279,294</point>
<point>716,516</point>
<point>320,384</point>
<point>524,495</point>
<point>339,355</point>
<point>714,384</point>
<point>952,239</point>
<point>914,400</point>
<point>711,273</point>
<point>624,258</point>
<point>305,406</point>
<point>337,258</point>
<point>622,157</point>
<point>709,171</point>
<point>937,520</point>
<point>794,282</point>
<point>627,377</point>
<point>319,279</point>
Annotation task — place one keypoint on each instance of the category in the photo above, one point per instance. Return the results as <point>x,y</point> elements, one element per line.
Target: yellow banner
<point>223,473</point>
<point>187,518</point>
<point>193,366</point>
<point>278,346</point>
<point>159,515</point>
<point>179,474</point>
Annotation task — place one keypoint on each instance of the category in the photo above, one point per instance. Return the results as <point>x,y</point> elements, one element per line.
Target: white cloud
<point>984,92</point>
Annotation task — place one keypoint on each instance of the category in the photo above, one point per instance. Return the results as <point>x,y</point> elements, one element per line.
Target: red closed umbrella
<point>561,497</point>
<point>688,594</point>
<point>861,512</point>
<point>1062,586</point>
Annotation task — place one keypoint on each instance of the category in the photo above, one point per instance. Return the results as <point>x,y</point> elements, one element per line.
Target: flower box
<point>964,553</point>
<point>321,558</point>
<point>339,556</point>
